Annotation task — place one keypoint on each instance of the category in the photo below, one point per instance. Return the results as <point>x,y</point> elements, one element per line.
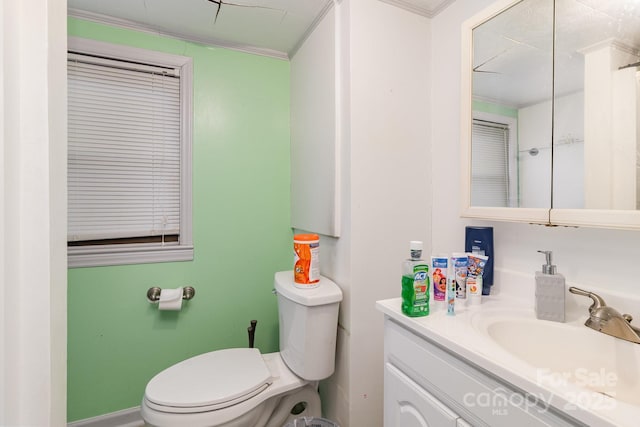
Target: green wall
<point>501,110</point>
<point>116,340</point>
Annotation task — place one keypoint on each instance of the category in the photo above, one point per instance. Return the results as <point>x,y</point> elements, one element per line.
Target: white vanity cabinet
<point>427,385</point>
<point>407,404</point>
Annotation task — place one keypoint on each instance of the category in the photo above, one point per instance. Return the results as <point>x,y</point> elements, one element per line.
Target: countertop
<point>462,335</point>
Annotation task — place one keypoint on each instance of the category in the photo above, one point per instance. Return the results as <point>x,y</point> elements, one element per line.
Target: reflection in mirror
<point>595,148</point>
<point>512,90</point>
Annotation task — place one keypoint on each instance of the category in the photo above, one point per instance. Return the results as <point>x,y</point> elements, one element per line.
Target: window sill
<point>92,256</point>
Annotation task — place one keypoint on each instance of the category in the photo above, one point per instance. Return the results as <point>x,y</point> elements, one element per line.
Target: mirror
<point>512,81</point>
<point>553,127</point>
<point>596,96</point>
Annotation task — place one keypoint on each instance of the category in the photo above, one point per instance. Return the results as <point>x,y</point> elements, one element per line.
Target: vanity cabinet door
<point>432,374</point>
<point>406,404</point>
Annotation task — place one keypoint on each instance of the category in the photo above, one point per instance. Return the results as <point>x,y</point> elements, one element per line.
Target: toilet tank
<point>308,326</point>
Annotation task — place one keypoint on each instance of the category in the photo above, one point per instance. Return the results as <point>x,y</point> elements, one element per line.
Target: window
<point>129,155</point>
<point>489,181</point>
<point>494,177</point>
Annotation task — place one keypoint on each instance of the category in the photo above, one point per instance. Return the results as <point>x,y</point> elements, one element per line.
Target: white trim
<point>340,112</point>
<point>126,418</point>
<point>93,256</point>
<point>327,7</point>
<point>33,274</point>
<point>599,218</point>
<point>528,215</point>
<point>126,53</point>
<point>136,26</point>
<point>610,43</point>
<point>423,11</point>
<point>186,153</point>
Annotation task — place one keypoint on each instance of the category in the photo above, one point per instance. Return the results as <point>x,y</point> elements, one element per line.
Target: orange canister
<point>306,263</point>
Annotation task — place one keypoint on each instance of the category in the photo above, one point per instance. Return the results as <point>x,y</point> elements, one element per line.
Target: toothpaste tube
<point>451,289</point>
<point>460,265</point>
<point>451,294</point>
<point>475,268</point>
<point>439,267</point>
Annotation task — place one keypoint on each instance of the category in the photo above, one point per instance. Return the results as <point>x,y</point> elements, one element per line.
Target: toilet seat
<point>209,382</point>
<point>284,382</point>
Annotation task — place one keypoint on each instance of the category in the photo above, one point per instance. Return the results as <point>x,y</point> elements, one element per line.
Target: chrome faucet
<point>607,320</point>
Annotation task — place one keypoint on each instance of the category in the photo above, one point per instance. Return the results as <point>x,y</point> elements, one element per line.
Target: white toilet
<point>239,387</point>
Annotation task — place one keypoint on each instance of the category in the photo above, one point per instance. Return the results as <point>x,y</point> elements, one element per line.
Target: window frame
<point>511,123</point>
<point>140,253</point>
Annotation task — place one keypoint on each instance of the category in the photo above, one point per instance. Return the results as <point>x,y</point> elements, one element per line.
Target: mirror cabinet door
<point>508,104</point>
<point>596,105</point>
<point>551,113</point>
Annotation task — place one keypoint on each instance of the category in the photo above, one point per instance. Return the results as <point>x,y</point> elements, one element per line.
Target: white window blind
<point>490,164</point>
<point>123,149</point>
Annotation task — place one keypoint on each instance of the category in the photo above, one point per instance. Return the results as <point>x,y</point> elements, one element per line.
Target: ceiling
<point>268,27</point>
<point>514,56</point>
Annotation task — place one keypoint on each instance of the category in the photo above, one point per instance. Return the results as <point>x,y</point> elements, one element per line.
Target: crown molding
<point>327,7</point>
<point>136,26</point>
<point>429,13</point>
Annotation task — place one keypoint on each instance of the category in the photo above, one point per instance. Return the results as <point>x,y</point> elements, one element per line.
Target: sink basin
<point>572,354</point>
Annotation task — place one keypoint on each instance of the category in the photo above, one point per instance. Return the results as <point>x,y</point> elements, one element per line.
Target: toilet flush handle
<point>252,332</point>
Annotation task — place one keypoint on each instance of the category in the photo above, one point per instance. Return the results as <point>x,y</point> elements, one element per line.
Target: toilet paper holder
<point>153,294</point>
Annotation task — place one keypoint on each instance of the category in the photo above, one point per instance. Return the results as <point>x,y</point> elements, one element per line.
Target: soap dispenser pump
<point>550,292</point>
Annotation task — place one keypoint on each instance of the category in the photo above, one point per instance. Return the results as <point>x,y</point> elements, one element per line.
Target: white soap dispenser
<point>550,292</point>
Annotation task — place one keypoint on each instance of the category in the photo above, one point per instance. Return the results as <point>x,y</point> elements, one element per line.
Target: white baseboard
<point>126,418</point>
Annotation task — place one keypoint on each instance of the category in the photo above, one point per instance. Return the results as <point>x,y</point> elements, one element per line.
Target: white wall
<point>568,151</point>
<point>33,274</point>
<point>589,257</point>
<point>446,225</point>
<point>610,126</point>
<point>390,167</point>
<point>534,131</point>
<point>384,62</point>
<point>534,172</point>
<point>314,179</point>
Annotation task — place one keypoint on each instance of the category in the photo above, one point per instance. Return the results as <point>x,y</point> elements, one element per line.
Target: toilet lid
<point>216,379</point>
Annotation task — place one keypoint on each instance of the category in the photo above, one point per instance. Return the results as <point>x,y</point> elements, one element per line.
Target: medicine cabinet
<point>550,117</point>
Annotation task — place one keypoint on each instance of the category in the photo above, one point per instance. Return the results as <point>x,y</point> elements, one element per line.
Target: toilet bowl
<point>240,387</point>
<point>251,390</point>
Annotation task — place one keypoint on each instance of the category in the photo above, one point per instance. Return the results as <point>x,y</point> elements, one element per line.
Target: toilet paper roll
<point>170,299</point>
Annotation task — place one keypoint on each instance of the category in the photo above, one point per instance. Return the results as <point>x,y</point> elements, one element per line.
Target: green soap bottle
<point>415,282</point>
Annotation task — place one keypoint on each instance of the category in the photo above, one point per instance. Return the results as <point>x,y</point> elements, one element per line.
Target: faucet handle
<point>607,320</point>
<point>598,302</point>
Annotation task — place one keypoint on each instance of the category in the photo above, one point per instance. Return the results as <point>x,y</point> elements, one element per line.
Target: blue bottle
<point>479,240</point>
